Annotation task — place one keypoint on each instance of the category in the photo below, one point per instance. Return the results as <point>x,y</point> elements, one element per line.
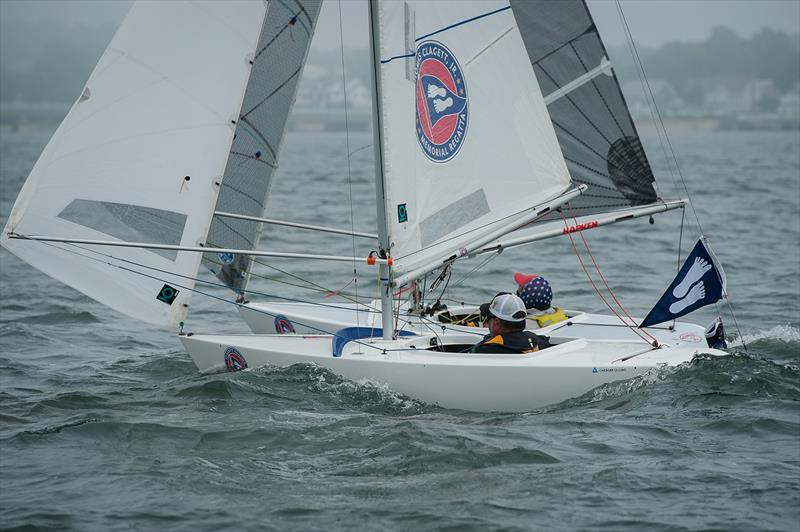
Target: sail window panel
<point>453,217</point>
<point>277,66</point>
<point>130,223</point>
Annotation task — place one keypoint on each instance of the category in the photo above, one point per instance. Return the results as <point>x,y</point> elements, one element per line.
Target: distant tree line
<point>770,55</point>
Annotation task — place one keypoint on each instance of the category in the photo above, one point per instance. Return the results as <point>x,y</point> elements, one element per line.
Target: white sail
<point>140,156</point>
<point>468,144</point>
<point>277,66</point>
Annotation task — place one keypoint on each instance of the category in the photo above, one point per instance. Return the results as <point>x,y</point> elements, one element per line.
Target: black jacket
<point>512,342</point>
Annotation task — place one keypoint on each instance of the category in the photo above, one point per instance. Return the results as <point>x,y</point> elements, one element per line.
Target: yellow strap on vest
<point>497,339</point>
<point>549,319</point>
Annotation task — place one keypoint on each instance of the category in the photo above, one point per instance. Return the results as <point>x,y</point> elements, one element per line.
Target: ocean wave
<point>366,395</point>
<point>783,333</point>
<point>706,380</point>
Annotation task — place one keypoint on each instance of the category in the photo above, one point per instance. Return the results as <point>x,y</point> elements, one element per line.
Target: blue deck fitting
<point>343,336</point>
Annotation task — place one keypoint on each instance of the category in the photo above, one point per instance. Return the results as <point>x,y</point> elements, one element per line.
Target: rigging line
<point>451,26</point>
<point>433,326</point>
<point>446,283</point>
<point>229,227</point>
<point>680,244</point>
<point>476,268</point>
<point>597,290</point>
<point>362,148</point>
<point>602,277</point>
<point>153,268</point>
<point>736,323</point>
<point>631,48</point>
<point>349,170</point>
<point>640,64</point>
<point>658,113</point>
<point>319,288</point>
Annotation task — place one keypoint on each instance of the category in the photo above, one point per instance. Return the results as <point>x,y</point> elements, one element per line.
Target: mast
<point>387,319</point>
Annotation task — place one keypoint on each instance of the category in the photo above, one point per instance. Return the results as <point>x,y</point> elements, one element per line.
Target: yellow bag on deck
<point>545,320</point>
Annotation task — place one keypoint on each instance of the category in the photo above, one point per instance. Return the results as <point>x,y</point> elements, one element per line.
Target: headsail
<point>138,154</point>
<point>277,65</point>
<point>591,119</point>
<point>468,144</point>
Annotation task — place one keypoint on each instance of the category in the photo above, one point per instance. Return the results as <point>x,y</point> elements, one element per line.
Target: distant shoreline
<point>25,115</point>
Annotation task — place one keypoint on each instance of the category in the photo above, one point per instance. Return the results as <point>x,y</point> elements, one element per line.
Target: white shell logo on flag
<point>442,108</point>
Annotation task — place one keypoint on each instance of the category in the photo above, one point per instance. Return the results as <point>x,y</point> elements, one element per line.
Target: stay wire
<point>173,274</point>
<point>190,289</point>
<point>476,268</point>
<point>347,143</point>
<point>640,65</point>
<point>638,62</point>
<point>310,284</point>
<point>680,246</point>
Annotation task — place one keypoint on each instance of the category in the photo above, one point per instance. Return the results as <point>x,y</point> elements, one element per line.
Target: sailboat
<point>165,160</point>
<point>599,144</point>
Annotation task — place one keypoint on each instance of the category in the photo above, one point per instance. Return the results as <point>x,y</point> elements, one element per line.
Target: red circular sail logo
<point>441,98</point>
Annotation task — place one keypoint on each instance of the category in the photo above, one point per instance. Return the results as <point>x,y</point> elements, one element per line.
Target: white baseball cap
<point>508,307</point>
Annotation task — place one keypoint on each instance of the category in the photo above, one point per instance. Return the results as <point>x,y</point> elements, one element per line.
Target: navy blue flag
<point>700,282</point>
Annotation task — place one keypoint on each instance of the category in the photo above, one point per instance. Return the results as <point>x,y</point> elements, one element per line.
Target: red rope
<point>588,249</point>
<point>596,289</point>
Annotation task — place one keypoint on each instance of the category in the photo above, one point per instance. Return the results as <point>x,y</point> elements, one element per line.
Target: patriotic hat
<point>534,290</point>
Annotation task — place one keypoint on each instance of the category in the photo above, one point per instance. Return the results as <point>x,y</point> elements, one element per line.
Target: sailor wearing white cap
<point>505,317</point>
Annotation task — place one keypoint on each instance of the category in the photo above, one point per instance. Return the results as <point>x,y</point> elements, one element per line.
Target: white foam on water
<point>784,333</point>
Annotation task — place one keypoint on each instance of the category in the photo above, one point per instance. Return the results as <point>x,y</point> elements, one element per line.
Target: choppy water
<point>106,425</point>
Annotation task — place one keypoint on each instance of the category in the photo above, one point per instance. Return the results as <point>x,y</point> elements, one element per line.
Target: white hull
<point>309,318</point>
<point>477,382</point>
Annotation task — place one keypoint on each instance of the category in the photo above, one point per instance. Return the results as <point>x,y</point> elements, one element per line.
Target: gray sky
<point>652,22</point>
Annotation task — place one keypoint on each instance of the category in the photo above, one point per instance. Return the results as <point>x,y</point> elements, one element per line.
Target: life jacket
<point>512,342</point>
<point>549,318</point>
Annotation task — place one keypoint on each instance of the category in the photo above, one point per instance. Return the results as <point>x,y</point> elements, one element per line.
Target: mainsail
<point>138,155</point>
<point>468,144</point>
<point>276,69</point>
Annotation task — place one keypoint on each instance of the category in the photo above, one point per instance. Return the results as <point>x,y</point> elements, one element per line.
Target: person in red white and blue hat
<point>535,292</point>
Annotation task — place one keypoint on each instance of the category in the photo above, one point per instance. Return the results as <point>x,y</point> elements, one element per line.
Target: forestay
<point>138,155</point>
<point>468,144</point>
<point>277,66</point>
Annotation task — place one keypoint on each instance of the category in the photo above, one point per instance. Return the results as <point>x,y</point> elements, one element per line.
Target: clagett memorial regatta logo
<point>442,109</point>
